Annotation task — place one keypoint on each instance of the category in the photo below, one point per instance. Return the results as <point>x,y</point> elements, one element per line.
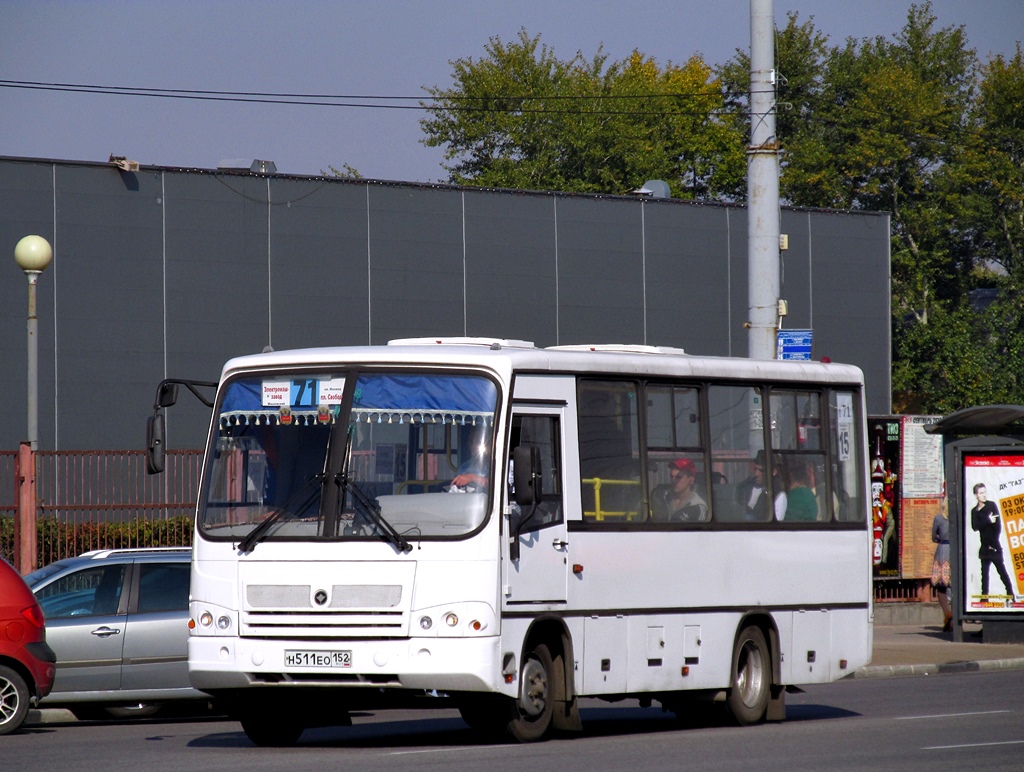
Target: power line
<point>445,103</point>
<point>503,103</point>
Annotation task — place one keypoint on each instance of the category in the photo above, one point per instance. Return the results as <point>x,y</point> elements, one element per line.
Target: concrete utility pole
<point>762,187</point>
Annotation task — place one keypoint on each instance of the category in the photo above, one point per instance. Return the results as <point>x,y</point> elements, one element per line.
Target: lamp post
<point>33,254</point>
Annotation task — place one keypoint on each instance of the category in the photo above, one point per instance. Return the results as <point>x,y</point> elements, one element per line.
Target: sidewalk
<point>923,649</point>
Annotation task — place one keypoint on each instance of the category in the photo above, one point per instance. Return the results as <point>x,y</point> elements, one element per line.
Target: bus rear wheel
<point>750,687</point>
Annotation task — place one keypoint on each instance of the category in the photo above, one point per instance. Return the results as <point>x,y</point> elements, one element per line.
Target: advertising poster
<point>917,549</point>
<point>884,435</point>
<point>993,533</point>
<point>922,495</point>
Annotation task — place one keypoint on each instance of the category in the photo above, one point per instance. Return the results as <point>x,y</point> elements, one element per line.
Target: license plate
<point>294,658</point>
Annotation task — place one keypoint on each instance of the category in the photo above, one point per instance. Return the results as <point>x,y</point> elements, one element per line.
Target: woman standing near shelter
<point>940,566</point>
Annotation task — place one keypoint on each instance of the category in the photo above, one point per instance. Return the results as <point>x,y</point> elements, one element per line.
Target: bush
<point>60,539</point>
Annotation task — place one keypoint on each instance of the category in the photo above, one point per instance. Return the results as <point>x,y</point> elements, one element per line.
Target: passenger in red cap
<point>678,502</point>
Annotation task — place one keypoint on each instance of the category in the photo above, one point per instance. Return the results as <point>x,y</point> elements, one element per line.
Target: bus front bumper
<point>428,664</point>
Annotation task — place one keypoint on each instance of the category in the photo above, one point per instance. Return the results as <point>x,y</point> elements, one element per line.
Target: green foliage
<point>346,172</point>
<point>913,125</point>
<point>58,539</point>
<point>520,117</point>
<point>987,182</point>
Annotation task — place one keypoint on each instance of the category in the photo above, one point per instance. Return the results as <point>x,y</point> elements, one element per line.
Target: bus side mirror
<point>167,394</point>
<point>526,475</point>
<point>155,443</point>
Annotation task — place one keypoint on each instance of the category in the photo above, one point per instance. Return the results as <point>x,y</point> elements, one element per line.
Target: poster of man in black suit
<point>993,517</point>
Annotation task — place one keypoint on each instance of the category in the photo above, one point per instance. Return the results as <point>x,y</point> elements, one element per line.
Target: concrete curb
<point>49,716</point>
<point>893,671</point>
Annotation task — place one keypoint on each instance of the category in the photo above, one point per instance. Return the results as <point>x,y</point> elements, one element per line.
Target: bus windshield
<point>343,455</point>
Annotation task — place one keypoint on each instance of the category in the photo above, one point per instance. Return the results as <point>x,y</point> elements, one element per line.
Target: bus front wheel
<point>270,731</point>
<point>533,710</point>
<point>751,677</point>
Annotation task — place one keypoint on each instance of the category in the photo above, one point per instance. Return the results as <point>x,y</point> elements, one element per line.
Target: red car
<point>26,661</point>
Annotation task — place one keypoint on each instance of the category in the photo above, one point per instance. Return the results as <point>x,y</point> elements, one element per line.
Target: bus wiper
<point>371,508</point>
<point>257,534</point>
<point>367,506</point>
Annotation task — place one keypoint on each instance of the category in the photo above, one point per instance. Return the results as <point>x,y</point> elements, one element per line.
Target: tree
<point>809,176</point>
<point>912,125</point>
<point>520,117</point>
<point>975,355</point>
<point>988,177</point>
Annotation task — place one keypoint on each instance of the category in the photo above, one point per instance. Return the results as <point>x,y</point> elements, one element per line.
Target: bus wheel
<point>751,677</point>
<point>271,731</point>
<point>535,706</point>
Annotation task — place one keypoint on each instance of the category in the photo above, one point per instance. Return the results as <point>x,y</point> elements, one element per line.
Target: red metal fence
<point>94,499</point>
<point>101,499</point>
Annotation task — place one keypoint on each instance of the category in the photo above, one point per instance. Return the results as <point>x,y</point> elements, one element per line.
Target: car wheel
<point>104,713</point>
<point>134,711</point>
<point>89,713</point>
<point>14,700</point>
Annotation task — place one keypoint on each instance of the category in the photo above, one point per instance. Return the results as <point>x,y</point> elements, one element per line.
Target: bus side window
<point>609,432</point>
<point>542,432</point>
<point>677,481</point>
<point>845,441</point>
<point>736,422</point>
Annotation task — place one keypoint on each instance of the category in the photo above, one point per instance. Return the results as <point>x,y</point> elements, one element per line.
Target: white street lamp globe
<point>33,253</point>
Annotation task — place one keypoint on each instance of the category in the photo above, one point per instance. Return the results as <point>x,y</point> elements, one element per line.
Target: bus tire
<point>531,718</point>
<point>750,686</point>
<point>270,731</point>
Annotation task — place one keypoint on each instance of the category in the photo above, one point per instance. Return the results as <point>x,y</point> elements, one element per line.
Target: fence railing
<point>101,499</point>
<point>94,499</point>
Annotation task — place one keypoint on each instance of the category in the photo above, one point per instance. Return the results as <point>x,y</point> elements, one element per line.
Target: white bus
<point>507,529</point>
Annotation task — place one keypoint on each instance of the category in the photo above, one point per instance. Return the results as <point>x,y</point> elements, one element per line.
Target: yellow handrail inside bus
<point>600,513</point>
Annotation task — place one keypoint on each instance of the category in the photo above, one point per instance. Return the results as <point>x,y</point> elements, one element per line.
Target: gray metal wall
<point>169,272</point>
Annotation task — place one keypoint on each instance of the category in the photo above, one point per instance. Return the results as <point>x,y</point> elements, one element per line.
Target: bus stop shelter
<point>984,460</point>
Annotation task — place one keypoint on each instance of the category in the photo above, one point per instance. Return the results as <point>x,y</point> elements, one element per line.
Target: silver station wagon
<point>118,622</point>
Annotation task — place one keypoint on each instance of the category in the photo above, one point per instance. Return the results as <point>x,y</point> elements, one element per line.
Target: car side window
<point>163,587</point>
<point>93,591</point>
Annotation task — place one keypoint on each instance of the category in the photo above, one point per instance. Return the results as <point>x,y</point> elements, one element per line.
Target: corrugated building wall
<point>169,272</point>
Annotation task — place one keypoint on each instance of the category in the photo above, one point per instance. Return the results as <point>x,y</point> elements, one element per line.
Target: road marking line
<point>952,715</point>
<point>444,750</point>
<point>970,745</point>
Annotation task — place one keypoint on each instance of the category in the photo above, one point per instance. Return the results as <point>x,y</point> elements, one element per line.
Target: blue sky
<point>347,47</point>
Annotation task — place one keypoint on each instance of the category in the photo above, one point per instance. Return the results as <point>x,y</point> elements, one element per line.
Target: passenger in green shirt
<point>803,504</point>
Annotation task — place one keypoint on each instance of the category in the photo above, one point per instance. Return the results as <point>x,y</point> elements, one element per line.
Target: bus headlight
<point>455,620</point>
<point>209,619</point>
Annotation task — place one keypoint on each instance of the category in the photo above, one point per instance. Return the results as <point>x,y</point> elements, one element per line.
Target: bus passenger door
<point>539,575</point>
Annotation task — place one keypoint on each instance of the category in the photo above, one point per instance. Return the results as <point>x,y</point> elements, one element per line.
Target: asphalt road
<point>951,721</point>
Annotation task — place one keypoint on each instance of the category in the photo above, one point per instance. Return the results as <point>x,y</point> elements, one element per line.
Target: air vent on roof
<point>621,348</point>
<point>490,342</point>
